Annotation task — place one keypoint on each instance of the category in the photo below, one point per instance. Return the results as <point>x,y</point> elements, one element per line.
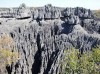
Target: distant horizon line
<point>46,4</point>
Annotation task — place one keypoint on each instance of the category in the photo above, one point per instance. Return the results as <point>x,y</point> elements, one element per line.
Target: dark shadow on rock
<point>51,61</point>
<point>8,68</point>
<point>66,28</point>
<point>23,18</point>
<point>37,63</point>
<point>99,30</point>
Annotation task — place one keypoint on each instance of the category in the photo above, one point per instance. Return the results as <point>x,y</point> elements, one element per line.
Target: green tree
<point>76,63</point>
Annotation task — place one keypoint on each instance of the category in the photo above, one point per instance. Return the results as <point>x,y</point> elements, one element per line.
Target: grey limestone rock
<point>42,38</point>
<point>23,11</point>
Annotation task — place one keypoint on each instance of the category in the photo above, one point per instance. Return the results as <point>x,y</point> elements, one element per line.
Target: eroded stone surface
<point>43,35</point>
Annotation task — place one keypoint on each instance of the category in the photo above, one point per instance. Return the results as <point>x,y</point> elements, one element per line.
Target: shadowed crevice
<point>37,63</point>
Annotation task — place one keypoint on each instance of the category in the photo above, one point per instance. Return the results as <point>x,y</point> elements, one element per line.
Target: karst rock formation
<point>41,34</point>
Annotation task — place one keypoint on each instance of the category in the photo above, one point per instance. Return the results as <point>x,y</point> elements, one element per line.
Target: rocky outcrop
<point>43,33</point>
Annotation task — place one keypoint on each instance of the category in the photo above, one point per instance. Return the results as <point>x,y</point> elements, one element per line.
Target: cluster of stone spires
<point>46,12</point>
<point>41,40</point>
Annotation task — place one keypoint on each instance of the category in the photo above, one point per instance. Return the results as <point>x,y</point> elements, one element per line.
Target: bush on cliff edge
<point>76,63</point>
<point>7,51</point>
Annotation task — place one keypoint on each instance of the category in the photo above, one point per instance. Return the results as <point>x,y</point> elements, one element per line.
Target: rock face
<point>42,34</point>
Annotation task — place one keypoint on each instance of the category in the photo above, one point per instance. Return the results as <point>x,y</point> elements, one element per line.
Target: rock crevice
<point>42,34</point>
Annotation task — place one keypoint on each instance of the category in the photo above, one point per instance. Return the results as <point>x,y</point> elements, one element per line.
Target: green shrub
<point>7,51</point>
<point>96,54</point>
<point>76,63</point>
<point>96,13</point>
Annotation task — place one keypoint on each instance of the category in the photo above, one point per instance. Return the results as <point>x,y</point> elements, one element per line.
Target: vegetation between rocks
<point>96,13</point>
<point>8,54</point>
<point>76,63</point>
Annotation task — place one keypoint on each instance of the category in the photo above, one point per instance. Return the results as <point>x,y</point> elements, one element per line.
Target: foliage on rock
<point>77,63</point>
<point>7,51</point>
<point>97,13</point>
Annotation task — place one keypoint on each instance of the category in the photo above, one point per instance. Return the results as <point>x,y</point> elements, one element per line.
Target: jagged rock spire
<point>22,5</point>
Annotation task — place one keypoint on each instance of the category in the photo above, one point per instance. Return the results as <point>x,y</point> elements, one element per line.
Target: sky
<point>90,4</point>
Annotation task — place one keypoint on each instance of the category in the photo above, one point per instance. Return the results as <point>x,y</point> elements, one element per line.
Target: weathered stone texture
<point>42,34</point>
